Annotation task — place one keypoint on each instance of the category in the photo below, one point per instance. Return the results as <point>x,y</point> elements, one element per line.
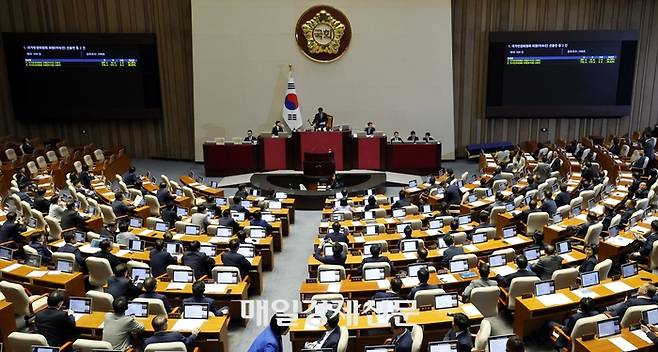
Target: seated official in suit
<point>647,244</point>
<point>160,333</point>
<point>343,205</point>
<point>163,194</point>
<point>412,137</point>
<point>130,178</point>
<point>198,291</point>
<point>37,242</point>
<point>396,138</point>
<point>235,259</point>
<point>482,281</point>
<point>257,220</point>
<point>645,295</point>
<point>401,339</point>
<point>523,216</point>
<point>124,236</point>
<point>336,234</point>
<point>546,265</point>
<point>453,194</point>
<point>40,202</point>
<point>242,192</point>
<point>55,324</point>
<point>69,247</point>
<point>237,206</point>
<point>149,292</point>
<point>277,128</point>
<point>370,129</point>
<point>522,271</point>
<point>106,253</point>
<point>320,120</point>
<point>331,335</point>
<point>198,261</point>
<point>121,285</point>
<point>459,332</point>
<point>119,208</point>
<point>591,258</point>
<point>423,277</point>
<point>119,328</point>
<point>337,258</point>
<point>86,177</point>
<point>581,230</point>
<point>228,221</point>
<point>376,257</point>
<point>11,229</point>
<point>548,204</point>
<point>372,204</point>
<point>586,308</point>
<point>402,202</point>
<point>393,292</point>
<point>428,138</point>
<point>159,259</point>
<point>71,218</point>
<point>250,137</point>
<point>270,340</point>
<point>451,251</point>
<point>564,197</point>
<point>200,218</point>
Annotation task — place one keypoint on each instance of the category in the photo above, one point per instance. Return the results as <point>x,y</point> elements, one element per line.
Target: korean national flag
<point>292,115</point>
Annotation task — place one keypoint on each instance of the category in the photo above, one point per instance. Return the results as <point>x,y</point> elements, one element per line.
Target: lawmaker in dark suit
<point>119,208</point>
<point>336,234</point>
<point>331,335</point>
<point>320,120</point>
<point>36,242</point>
<point>69,247</point>
<point>11,229</point>
<point>161,334</point>
<point>401,335</point>
<point>228,221</point>
<point>376,257</point>
<point>106,253</point>
<point>564,197</point>
<point>644,297</point>
<point>392,294</point>
<point>591,259</point>
<point>522,271</point>
<point>586,309</point>
<point>548,205</point>
<point>337,258</point>
<point>452,194</point>
<point>198,261</point>
<point>556,163</point>
<point>532,208</point>
<point>402,202</point>
<point>56,325</point>
<point>270,339</point>
<point>198,291</point>
<point>163,194</point>
<point>370,129</point>
<point>149,292</point>
<point>250,137</point>
<point>547,264</point>
<point>159,259</point>
<point>120,284</point>
<point>130,178</point>
<point>40,202</point>
<point>423,277</point>
<point>86,177</point>
<point>235,259</point>
<point>647,245</point>
<point>460,333</point>
<point>168,214</point>
<point>451,251</point>
<point>72,219</point>
<point>277,128</point>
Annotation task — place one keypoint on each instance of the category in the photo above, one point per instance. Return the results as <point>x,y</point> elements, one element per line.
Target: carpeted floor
<point>290,265</point>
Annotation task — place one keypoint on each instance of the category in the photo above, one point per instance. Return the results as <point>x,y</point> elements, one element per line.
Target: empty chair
<point>490,231</point>
<point>593,235</point>
<point>493,217</point>
<point>382,243</point>
<point>459,238</point>
<point>509,253</point>
<point>33,169</point>
<point>520,286</point>
<point>225,269</point>
<point>343,339</point>
<point>98,154</point>
<point>565,210</point>
<point>53,228</point>
<point>155,305</point>
<point>499,185</point>
<point>485,299</point>
<point>66,256</point>
<point>643,203</point>
<point>172,268</point>
<point>24,304</point>
<point>384,265</point>
<point>633,315</point>
<point>99,271</point>
<point>416,337</point>
<point>64,152</point>
<point>88,161</point>
<point>426,297</point>
<point>603,268</point>
<point>166,347</point>
<point>482,337</point>
<point>330,267</point>
<point>587,195</point>
<point>36,215</point>
<point>135,264</point>
<point>108,214</point>
<point>23,342</point>
<point>84,345</point>
<point>565,278</point>
<point>583,326</point>
<point>11,155</point>
<point>100,301</point>
<point>536,222</point>
<point>471,257</point>
<point>576,202</point>
<point>83,201</point>
<point>153,204</point>
<point>78,166</point>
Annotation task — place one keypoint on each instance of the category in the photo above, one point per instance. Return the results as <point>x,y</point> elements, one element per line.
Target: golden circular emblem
<point>323,33</point>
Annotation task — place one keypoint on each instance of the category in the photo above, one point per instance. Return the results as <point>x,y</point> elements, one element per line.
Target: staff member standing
<point>277,128</point>
<point>320,120</point>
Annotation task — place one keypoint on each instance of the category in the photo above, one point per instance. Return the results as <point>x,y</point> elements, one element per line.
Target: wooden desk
<point>531,314</point>
<point>287,203</point>
<point>201,189</point>
<point>7,321</point>
<point>41,280</point>
<point>605,344</point>
<point>213,334</point>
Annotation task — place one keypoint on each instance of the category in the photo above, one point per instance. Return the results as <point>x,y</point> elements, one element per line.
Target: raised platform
<point>289,182</point>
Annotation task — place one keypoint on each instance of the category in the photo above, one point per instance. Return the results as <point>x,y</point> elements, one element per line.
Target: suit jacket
<point>420,287</point>
<point>229,222</point>
<point>56,326</point>
<point>11,231</point>
<point>169,336</point>
<point>332,340</point>
<point>250,139</point>
<point>267,341</point>
<point>200,220</point>
<point>402,342</point>
<point>72,219</point>
<point>237,260</point>
<point>331,259</point>
<point>620,310</point>
<point>130,179</point>
<point>555,165</point>
<point>369,130</point>
<point>563,198</point>
<point>588,264</point>
<point>647,246</point>
<point>337,237</point>
<point>276,130</point>
<point>85,179</point>
<point>380,259</point>
<point>159,260</point>
<point>26,198</point>
<point>164,196</point>
<point>41,204</point>
<point>546,265</point>
<point>569,323</point>
<point>169,216</point>
<point>159,296</point>
<point>199,262</point>
<point>639,163</point>
<point>401,203</point>
<point>452,194</point>
<point>68,248</point>
<point>122,286</point>
<point>44,252</point>
<point>549,206</point>
<point>386,296</point>
<point>477,283</point>
<point>118,330</point>
<point>449,253</point>
<point>119,208</point>
<point>464,339</point>
<point>506,280</point>
<point>113,259</point>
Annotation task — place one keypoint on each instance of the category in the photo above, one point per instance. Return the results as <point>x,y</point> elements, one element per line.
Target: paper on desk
<point>582,217</point>
<point>122,252</point>
<point>312,323</point>
<point>568,257</point>
<point>383,284</point>
<point>617,286</point>
<point>410,255</point>
<point>359,239</point>
<point>639,229</point>
<point>514,240</point>
<point>555,299</point>
<point>216,288</point>
<point>447,278</point>
<point>334,287</point>
<point>176,286</point>
<point>643,335</point>
<point>433,232</point>
<point>101,325</point>
<point>37,273</point>
<point>584,292</point>
<point>356,223</point>
<point>219,240</point>
<point>556,227</point>
<point>59,244</point>
<point>11,267</point>
<point>503,270</point>
<point>77,316</point>
<point>389,220</point>
<point>188,324</point>
<point>619,241</point>
<point>410,281</point>
<point>470,310</point>
<point>54,272</point>
<point>471,247</point>
<point>623,344</point>
<point>178,236</point>
<point>466,227</point>
<point>146,232</point>
<point>413,189</point>
<point>610,201</point>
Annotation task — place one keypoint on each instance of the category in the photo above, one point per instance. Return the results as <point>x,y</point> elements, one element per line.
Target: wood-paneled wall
<point>170,20</point>
<point>474,19</point>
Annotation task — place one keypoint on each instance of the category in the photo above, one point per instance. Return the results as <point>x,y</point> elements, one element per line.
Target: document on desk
<point>11,268</point>
<point>619,241</point>
<point>643,335</point>
<point>359,239</point>
<point>447,278</point>
<point>582,217</point>
<point>617,286</point>
<point>188,324</point>
<point>568,257</point>
<point>514,240</point>
<point>178,236</point>
<point>433,232</point>
<point>471,248</point>
<point>216,288</point>
<point>334,287</point>
<point>146,232</point>
<point>216,240</point>
<point>555,299</point>
<point>412,189</point>
<point>87,249</point>
<point>37,273</point>
<point>410,281</point>
<point>623,344</point>
<point>503,270</point>
<point>639,229</point>
<point>122,253</point>
<point>470,310</point>
<point>356,223</point>
<point>77,316</point>
<point>312,323</point>
<point>585,292</point>
<point>410,255</point>
<point>383,284</point>
<point>389,220</point>
<point>466,227</point>
<point>176,286</point>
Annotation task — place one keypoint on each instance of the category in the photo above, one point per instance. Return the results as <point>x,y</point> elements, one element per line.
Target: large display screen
<point>83,76</point>
<point>561,74</point>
